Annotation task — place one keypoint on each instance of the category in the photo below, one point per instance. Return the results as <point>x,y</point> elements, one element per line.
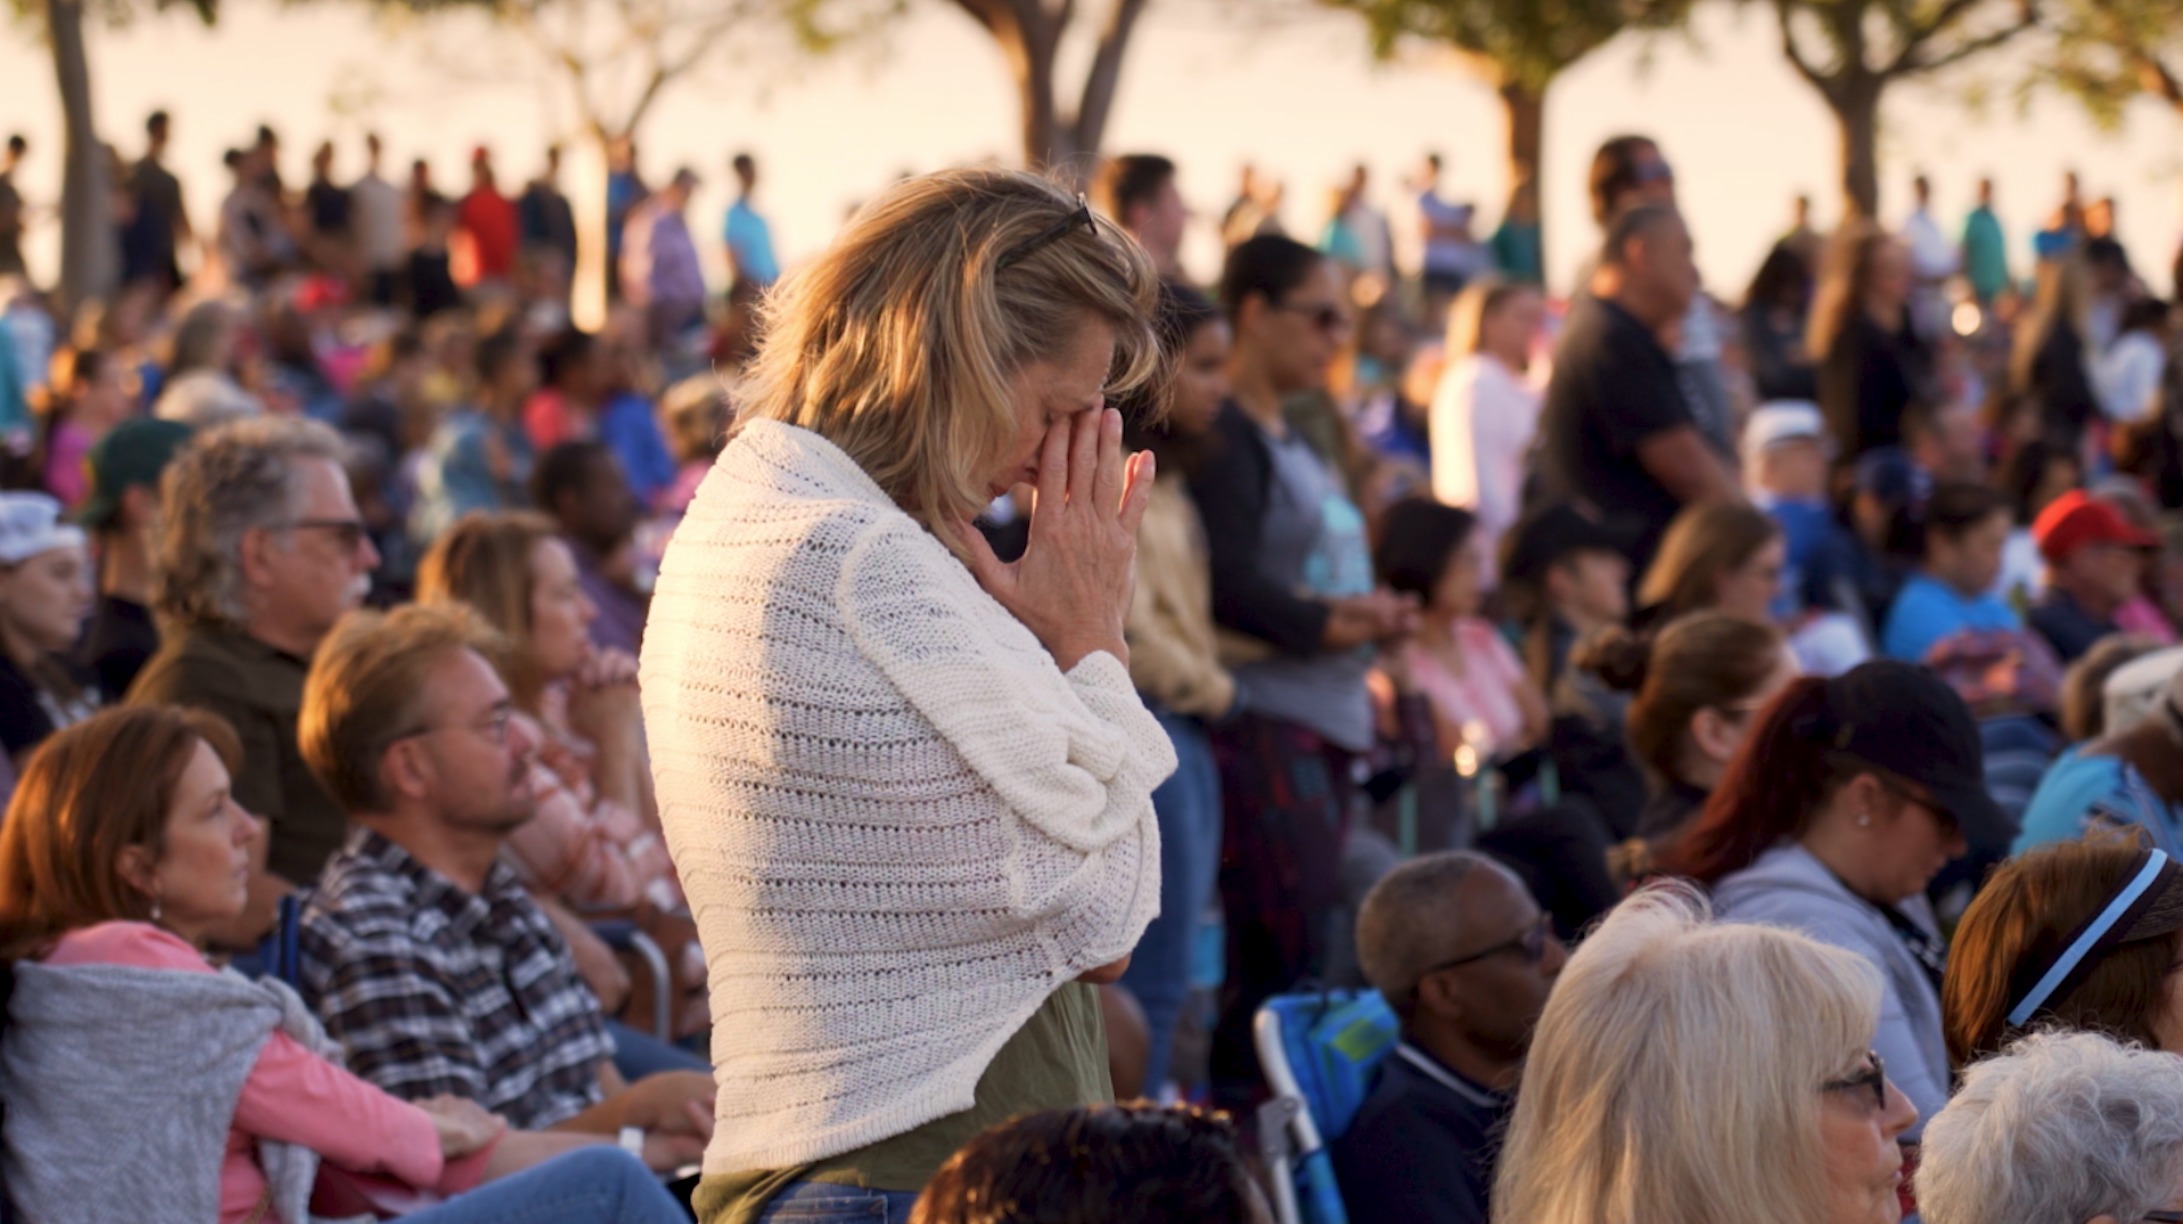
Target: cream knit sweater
<point>900,826</point>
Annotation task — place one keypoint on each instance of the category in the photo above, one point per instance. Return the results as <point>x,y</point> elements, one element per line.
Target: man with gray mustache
<point>261,549</point>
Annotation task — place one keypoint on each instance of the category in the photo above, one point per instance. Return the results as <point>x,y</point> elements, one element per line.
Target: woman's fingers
<point>1086,429</point>
<point>1108,480</point>
<point>1137,491</point>
<point>1053,467</point>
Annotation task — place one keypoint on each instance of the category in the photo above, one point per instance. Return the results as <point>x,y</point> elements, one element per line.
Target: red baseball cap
<point>2076,519</point>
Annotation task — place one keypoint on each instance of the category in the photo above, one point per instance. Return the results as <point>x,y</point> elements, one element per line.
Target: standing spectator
<point>1518,244</point>
<point>2095,562</point>
<point>1485,411</point>
<point>749,237</point>
<point>14,215</point>
<point>1465,958</point>
<point>1449,256</point>
<point>487,225</point>
<point>1138,190</point>
<point>625,190</point>
<point>1616,432</point>
<point>329,214</point>
<point>1776,317</point>
<point>659,267</point>
<point>122,515</point>
<point>2051,361</point>
<point>45,594</point>
<point>581,487</point>
<point>1174,662</point>
<point>429,287</point>
<point>1846,800</point>
<point>254,242</point>
<point>1356,234</point>
<point>1985,248</point>
<point>480,457</point>
<point>261,550</point>
<point>1933,259</point>
<point>1872,364</point>
<point>376,205</point>
<point>1291,568</point>
<point>548,222</point>
<point>573,377</point>
<point>160,227</point>
<point>1802,240</point>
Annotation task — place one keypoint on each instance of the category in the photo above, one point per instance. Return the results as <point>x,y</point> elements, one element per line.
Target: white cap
<point>205,398</point>
<point>2135,691</point>
<point>30,523</point>
<point>1781,421</point>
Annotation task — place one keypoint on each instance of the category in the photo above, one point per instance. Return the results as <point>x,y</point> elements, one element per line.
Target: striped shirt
<point>430,989</point>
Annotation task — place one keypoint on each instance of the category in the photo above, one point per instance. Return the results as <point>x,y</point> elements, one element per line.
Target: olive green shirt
<point>1057,1060</point>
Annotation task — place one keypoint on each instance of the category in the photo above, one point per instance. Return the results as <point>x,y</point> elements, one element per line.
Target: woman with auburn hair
<point>125,1049</point>
<point>2074,935</point>
<point>907,785</point>
<point>1722,555</point>
<point>1846,799</point>
<point>1792,1118</point>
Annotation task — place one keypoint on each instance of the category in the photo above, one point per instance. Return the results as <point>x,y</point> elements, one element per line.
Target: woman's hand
<point>1072,586</point>
<point>465,1127</point>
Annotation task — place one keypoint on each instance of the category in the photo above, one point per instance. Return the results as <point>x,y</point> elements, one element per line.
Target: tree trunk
<point>1523,110</point>
<point>90,256</point>
<point>587,201</point>
<point>1030,48</point>
<point>1856,106</point>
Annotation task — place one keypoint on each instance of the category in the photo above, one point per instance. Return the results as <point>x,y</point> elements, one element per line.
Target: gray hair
<point>2062,1126</point>
<point>194,336</point>
<point>237,478</point>
<point>1409,920</point>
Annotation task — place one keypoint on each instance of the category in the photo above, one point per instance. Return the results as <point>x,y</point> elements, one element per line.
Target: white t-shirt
<point>2127,377</point>
<point>1484,419</point>
<point>1932,255</point>
<point>377,208</point>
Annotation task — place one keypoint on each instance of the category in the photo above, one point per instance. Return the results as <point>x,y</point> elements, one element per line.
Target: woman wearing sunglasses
<point>2068,1127</point>
<point>1792,1120</point>
<point>1848,796</point>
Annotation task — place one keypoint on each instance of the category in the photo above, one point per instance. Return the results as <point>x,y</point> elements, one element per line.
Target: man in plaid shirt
<point>421,952</point>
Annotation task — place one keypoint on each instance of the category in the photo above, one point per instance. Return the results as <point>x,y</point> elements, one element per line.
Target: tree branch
<point>1792,50</point>
<point>1967,49</point>
<point>1106,73</point>
<point>1915,38</point>
<point>994,15</point>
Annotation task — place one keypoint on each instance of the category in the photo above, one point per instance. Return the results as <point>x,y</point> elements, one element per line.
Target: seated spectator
<point>2061,1126</point>
<point>1885,517</point>
<point>45,594</point>
<point>1698,685</point>
<point>1945,441</point>
<point>696,414</point>
<point>2142,612</point>
<point>2075,936</point>
<point>1485,412</point>
<point>1706,1074</point>
<point>1952,593</point>
<point>420,950</point>
<point>1140,1163</point>
<point>2034,477</point>
<point>122,515</point>
<point>2130,776</point>
<point>1566,579</point>
<point>200,388</point>
<point>2084,685</point>
<point>629,424</point>
<point>260,552</point>
<point>2136,689</point>
<point>573,376</point>
<point>2095,560</point>
<point>595,839</point>
<point>1721,555</point>
<point>581,487</point>
<point>480,457</point>
<point>2128,377</point>
<point>90,395</point>
<point>126,1049</point>
<point>1464,956</point>
<point>1473,683</point>
<point>1846,800</point>
<point>1786,461</point>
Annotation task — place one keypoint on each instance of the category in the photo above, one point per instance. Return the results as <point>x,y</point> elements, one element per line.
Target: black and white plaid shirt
<point>431,990</point>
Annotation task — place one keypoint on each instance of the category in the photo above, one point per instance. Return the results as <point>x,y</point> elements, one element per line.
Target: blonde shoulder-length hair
<point>1615,1124</point>
<point>899,344</point>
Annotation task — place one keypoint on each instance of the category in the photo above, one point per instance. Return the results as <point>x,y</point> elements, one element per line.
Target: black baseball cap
<point>1548,534</point>
<point>1904,719</point>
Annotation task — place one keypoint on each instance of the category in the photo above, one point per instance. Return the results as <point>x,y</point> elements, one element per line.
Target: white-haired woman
<point>1706,1074</point>
<point>907,786</point>
<point>2071,1128</point>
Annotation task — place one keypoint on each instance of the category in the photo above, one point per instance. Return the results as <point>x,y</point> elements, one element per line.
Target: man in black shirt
<point>1466,959</point>
<point>160,227</point>
<point>1616,433</point>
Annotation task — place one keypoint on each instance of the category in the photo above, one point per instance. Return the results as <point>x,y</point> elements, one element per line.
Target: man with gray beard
<point>261,550</point>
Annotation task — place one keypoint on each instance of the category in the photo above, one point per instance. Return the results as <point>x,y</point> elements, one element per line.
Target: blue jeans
<point>598,1185</point>
<point>638,1054</point>
<point>1188,807</point>
<point>808,1202</point>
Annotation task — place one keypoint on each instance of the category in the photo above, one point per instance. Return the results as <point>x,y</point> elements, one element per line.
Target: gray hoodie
<point>1788,887</point>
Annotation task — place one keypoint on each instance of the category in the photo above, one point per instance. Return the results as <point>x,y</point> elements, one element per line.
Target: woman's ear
<point>1712,736</point>
<point>135,867</point>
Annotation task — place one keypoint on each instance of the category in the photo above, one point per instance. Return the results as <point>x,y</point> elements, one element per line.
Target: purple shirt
<point>620,624</point>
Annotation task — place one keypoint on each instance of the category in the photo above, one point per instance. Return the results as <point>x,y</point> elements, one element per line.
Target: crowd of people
<point>832,738</point>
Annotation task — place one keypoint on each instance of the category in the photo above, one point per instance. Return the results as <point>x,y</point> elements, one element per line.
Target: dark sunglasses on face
<point>1873,1080</point>
<point>1331,320</point>
<point>348,534</point>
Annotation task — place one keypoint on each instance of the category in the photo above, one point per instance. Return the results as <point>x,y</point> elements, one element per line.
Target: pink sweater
<point>292,1095</point>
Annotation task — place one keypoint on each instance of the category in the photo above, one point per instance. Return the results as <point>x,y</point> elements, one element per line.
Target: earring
<point>1864,820</point>
<point>156,914</point>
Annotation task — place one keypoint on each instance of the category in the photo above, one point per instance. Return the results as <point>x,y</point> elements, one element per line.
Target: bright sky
<point>1303,100</point>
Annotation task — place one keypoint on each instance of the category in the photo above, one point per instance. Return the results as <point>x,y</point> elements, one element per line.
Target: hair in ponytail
<point>1781,776</point>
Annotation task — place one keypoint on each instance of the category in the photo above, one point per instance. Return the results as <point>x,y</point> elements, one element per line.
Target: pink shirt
<point>585,850</point>
<point>292,1095</point>
<point>1485,693</point>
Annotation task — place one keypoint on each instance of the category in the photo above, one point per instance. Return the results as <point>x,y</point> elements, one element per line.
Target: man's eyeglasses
<point>494,727</point>
<point>1045,238</point>
<point>2161,1217</point>
<point>349,534</point>
<point>1332,320</point>
<point>1654,172</point>
<point>1873,1080</point>
<point>1531,945</point>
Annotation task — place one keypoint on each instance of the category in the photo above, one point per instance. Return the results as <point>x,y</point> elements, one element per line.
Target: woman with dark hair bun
<point>1140,1163</point>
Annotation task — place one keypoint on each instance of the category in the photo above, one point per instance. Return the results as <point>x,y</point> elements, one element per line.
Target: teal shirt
<point>1518,249</point>
<point>1985,254</point>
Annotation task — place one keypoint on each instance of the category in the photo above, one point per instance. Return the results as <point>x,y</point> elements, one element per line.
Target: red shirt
<point>488,223</point>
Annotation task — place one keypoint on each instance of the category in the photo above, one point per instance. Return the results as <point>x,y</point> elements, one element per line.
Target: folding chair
<point>1319,1050</point>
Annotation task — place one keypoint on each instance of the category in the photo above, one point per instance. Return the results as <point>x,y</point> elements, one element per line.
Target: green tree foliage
<point>2108,52</point>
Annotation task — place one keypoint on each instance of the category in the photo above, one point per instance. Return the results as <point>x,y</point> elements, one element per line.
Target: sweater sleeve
<point>1075,757</point>
<point>294,1096</point>
<point>1230,489</point>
